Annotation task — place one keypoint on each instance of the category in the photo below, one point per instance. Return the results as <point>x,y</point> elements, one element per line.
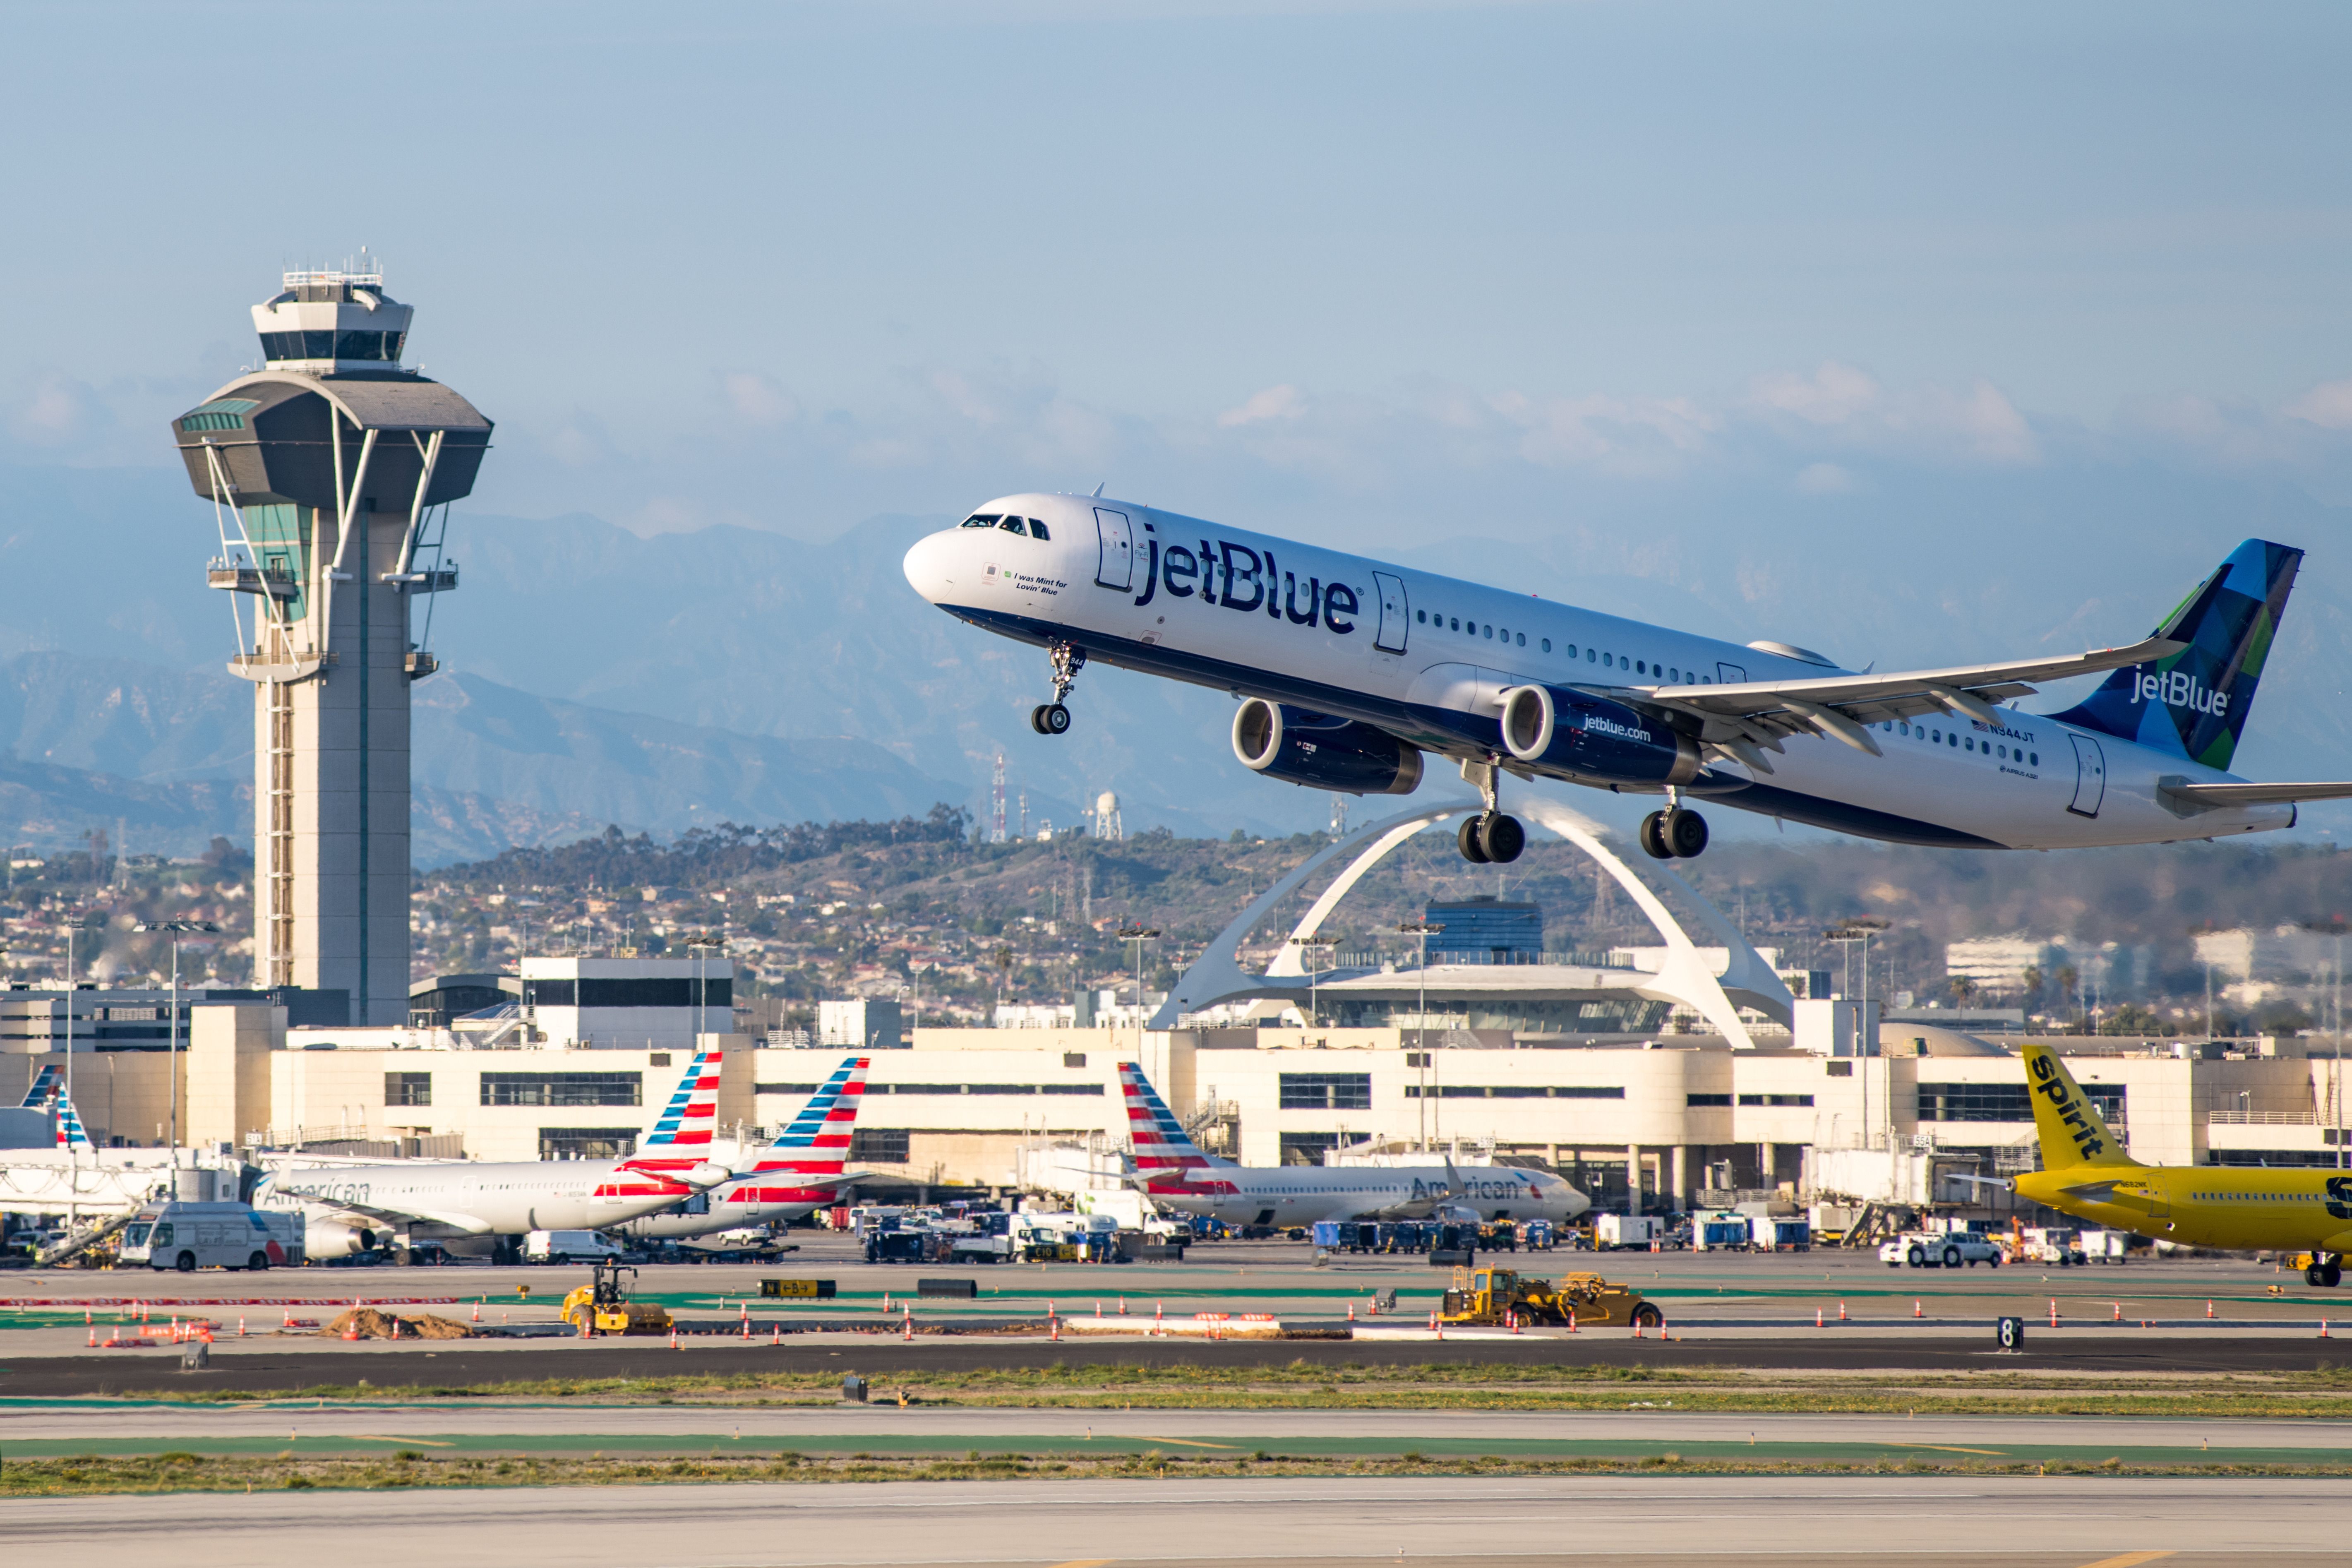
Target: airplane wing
<point>2210,797</point>
<point>1747,717</point>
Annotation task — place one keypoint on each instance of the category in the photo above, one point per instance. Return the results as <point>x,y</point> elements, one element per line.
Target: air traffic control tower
<point>331,471</point>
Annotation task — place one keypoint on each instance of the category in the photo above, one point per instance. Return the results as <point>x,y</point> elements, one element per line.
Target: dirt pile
<point>367,1324</point>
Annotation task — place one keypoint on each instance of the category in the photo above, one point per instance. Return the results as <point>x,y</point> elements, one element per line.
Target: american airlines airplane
<point>1174,1173</point>
<point>788,1180</point>
<point>1349,671</point>
<point>471,1206</point>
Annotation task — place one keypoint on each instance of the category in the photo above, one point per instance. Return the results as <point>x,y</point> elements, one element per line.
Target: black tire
<point>1951,1257</point>
<point>1037,718</point>
<point>187,1263</point>
<point>2333,1275</point>
<point>1684,833</point>
<point>1467,840</point>
<point>1501,838</point>
<point>1916,1258</point>
<point>258,1263</point>
<point>1057,718</point>
<point>1653,835</point>
<point>2316,1277</point>
<point>1994,1261</point>
<point>1648,1316</point>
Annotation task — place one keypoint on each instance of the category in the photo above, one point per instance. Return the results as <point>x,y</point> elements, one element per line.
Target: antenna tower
<point>996,802</point>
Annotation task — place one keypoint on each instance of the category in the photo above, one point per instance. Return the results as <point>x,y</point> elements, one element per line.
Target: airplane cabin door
<point>1394,615</point>
<point>2090,777</point>
<point>1730,675</point>
<point>1116,566</point>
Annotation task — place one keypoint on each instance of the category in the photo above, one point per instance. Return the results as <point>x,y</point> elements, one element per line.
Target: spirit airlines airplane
<point>1173,1173</point>
<point>480,1207</point>
<point>790,1179</point>
<point>2086,1173</point>
<point>1350,670</point>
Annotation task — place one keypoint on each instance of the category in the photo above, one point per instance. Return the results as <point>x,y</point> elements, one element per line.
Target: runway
<point>27,1432</point>
<point>2054,1522</point>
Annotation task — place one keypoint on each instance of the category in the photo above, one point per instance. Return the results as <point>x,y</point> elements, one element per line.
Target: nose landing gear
<point>1053,717</point>
<point>1490,837</point>
<point>1674,833</point>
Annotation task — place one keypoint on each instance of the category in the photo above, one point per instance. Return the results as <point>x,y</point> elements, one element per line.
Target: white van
<point>188,1236</point>
<point>566,1247</point>
<point>1613,1231</point>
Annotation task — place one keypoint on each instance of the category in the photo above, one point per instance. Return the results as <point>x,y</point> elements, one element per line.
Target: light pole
<point>178,929</point>
<point>72,929</point>
<point>1136,936</point>
<point>1315,949</point>
<point>702,947</point>
<point>1424,929</point>
<point>1862,931</point>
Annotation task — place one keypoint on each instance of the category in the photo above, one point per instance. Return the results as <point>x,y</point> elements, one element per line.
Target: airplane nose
<point>929,566</point>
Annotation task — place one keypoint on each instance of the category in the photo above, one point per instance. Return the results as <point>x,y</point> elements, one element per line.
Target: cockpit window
<point>1037,529</point>
<point>1013,525</point>
<point>982,520</point>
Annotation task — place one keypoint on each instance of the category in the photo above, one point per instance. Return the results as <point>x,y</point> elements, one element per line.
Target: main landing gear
<point>1053,717</point>
<point>1490,838</point>
<point>1674,833</point>
<point>2325,1271</point>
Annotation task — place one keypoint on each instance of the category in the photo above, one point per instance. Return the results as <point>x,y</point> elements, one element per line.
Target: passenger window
<point>1015,525</point>
<point>1641,668</point>
<point>1490,634</point>
<point>1546,644</point>
<point>1421,616</point>
<point>1522,640</point>
<point>1588,655</point>
<point>1609,659</point>
<point>1674,675</point>
<point>2035,759</point>
<point>1037,529</point>
<point>1454,625</point>
<point>1953,739</point>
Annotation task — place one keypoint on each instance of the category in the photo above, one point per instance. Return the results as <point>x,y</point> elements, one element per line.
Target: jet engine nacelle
<point>1304,747</point>
<point>1593,738</point>
<point>338,1238</point>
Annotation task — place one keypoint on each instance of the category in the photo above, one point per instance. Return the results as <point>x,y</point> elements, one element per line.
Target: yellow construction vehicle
<point>603,1306</point>
<point>1499,1296</point>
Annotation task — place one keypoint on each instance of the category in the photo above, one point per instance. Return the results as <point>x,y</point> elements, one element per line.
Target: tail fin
<point>1163,1150</point>
<point>70,1134</point>
<point>2072,1133</point>
<point>811,1151</point>
<point>2193,703</point>
<point>681,1136</point>
<point>45,1084</point>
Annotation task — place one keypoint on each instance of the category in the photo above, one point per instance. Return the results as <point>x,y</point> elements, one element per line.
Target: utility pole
<point>1422,928</point>
<point>1136,936</point>
<point>177,929</point>
<point>702,947</point>
<point>1848,935</point>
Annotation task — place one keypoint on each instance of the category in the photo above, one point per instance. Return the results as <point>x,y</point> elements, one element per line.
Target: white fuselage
<point>430,1200</point>
<point>1428,657</point>
<point>1302,1194</point>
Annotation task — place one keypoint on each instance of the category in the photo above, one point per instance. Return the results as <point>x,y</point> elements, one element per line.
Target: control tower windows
<point>380,346</point>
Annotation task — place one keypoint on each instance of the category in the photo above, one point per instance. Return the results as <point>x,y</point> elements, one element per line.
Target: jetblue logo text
<point>2178,689</point>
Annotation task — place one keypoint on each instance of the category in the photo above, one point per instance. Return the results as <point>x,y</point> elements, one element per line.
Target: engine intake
<point>1304,747</point>
<point>1592,737</point>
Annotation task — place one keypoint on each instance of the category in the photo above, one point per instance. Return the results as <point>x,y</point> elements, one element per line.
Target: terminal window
<point>1326,1091</point>
<point>2002,1102</point>
<point>408,1089</point>
<point>1776,1099</point>
<point>878,1145</point>
<point>556,1088</point>
<point>1307,1148</point>
<point>1517,1091</point>
<point>1707,1099</point>
<point>587,1143</point>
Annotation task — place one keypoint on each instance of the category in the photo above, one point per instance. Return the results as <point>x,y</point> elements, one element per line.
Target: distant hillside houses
<point>2254,965</point>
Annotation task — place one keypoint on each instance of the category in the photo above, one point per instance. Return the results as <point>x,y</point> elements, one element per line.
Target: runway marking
<point>1182,1443</point>
<point>1093,1562</point>
<point>2128,1559</point>
<point>1948,1448</point>
<point>372,1438</point>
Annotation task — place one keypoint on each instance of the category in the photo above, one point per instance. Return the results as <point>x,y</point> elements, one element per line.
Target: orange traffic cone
<point>478,1310</point>
<point>2053,1311</point>
<point>776,1333</point>
<point>2323,1329</point>
<point>1572,1320</point>
<point>241,1325</point>
<point>2120,1311</point>
<point>1915,1308</point>
<point>1351,1311</point>
<point>673,1336</point>
<point>1122,1306</point>
<point>1053,1326</point>
<point>2208,1309</point>
<point>1817,1317</point>
<point>93,1337</point>
<point>1841,1317</point>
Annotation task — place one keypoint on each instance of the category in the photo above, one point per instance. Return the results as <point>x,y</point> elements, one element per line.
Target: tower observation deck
<point>331,471</point>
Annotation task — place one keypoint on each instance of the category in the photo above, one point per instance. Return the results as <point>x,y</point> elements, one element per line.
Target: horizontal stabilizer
<point>2214,796</point>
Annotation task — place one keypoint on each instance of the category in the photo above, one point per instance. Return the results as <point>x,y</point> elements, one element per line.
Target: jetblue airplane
<point>1349,671</point>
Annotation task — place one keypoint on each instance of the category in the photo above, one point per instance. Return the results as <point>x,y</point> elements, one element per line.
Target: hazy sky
<point>1786,277</point>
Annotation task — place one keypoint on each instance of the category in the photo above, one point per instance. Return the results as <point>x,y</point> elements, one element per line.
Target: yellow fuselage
<point>2237,1209</point>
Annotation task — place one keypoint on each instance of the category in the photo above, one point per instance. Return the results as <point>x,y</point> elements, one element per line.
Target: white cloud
<point>756,399</point>
<point>1826,480</point>
<point>1275,403</point>
<point>2328,405</point>
<point>1977,424</point>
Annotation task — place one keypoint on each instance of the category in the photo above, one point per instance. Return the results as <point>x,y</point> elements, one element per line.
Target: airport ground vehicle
<point>602,1305</point>
<point>2104,1245</point>
<point>1613,1231</point>
<point>566,1247</point>
<point>189,1236</point>
<point>2054,1244</point>
<point>1950,1250</point>
<point>1493,1296</point>
<point>1720,1233</point>
<point>1779,1233</point>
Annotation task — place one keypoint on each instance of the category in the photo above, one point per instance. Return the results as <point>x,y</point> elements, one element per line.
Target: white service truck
<point>1613,1231</point>
<point>1950,1250</point>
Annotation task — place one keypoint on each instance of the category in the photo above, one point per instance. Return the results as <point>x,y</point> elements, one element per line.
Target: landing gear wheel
<point>1050,719</point>
<point>1501,838</point>
<point>1684,832</point>
<point>1653,835</point>
<point>2334,1270</point>
<point>1472,850</point>
<point>2316,1277</point>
